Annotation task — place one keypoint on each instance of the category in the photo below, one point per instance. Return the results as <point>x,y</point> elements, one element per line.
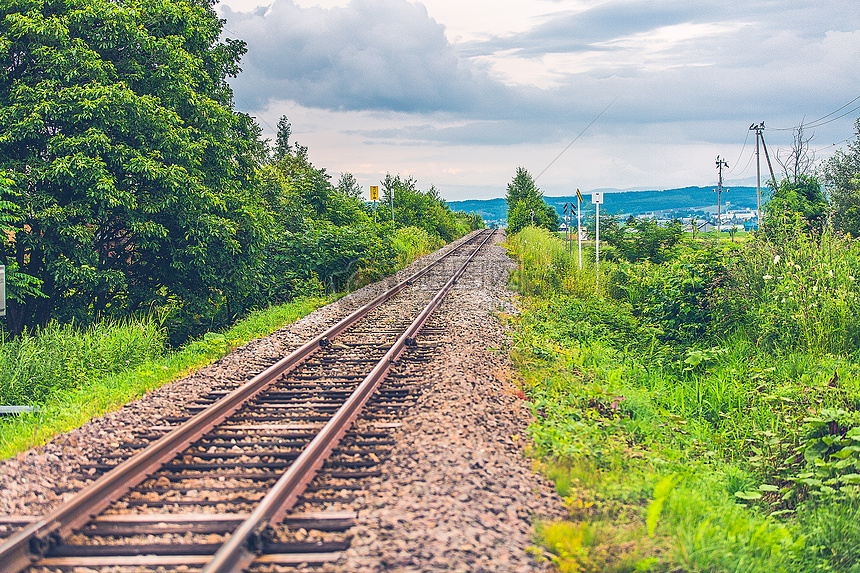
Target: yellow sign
<point>374,192</point>
<point>578,194</point>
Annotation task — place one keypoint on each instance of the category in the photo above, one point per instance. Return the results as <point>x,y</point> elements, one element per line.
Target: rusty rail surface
<point>31,543</point>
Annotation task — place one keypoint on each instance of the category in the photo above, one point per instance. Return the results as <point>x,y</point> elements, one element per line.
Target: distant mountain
<point>671,202</point>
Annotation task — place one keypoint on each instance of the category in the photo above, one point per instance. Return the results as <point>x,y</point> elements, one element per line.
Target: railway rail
<point>261,473</point>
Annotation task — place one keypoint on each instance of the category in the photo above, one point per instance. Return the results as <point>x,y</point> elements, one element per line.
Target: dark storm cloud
<point>368,55</point>
<point>577,31</point>
<point>758,60</point>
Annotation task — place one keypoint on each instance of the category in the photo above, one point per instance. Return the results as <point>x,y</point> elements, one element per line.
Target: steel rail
<point>35,541</point>
<point>245,543</point>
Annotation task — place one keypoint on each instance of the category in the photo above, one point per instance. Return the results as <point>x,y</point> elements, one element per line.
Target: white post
<point>597,199</point>
<point>597,244</point>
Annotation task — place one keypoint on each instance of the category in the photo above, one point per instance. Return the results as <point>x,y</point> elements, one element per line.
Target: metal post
<point>758,129</point>
<point>597,246</point>
<point>3,290</point>
<point>579,225</point>
<point>720,164</point>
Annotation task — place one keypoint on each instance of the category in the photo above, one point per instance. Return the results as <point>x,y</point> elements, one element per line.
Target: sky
<point>588,94</point>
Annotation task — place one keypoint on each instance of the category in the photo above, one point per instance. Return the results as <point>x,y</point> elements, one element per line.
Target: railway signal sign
<point>374,192</point>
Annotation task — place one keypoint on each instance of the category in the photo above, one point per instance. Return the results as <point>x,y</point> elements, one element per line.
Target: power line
<point>577,137</point>
<point>819,122</point>
<point>737,161</point>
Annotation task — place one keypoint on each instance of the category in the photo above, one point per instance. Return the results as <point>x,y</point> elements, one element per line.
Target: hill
<point>671,202</point>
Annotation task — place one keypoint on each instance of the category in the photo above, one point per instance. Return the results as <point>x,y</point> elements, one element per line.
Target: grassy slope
<point>96,391</point>
<point>678,456</point>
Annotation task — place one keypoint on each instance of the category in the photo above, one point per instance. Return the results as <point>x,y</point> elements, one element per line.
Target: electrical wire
<point>819,122</point>
<point>577,137</point>
<point>742,151</point>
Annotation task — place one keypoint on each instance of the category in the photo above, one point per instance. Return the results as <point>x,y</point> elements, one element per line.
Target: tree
<point>282,141</point>
<point>640,238</point>
<point>348,186</point>
<point>803,197</point>
<point>415,208</point>
<point>799,160</point>
<point>842,182</point>
<point>133,174</point>
<point>526,205</point>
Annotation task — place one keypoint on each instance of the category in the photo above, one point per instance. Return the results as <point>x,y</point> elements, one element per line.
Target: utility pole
<point>579,224</point>
<point>769,164</point>
<point>720,164</point>
<point>758,135</point>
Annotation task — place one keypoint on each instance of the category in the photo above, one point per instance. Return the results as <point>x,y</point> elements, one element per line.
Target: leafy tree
<point>526,205</point>
<point>640,239</point>
<point>415,208</point>
<point>802,196</point>
<point>132,172</point>
<point>842,182</point>
<point>348,186</point>
<point>282,142</point>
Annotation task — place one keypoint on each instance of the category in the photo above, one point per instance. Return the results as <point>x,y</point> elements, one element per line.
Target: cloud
<point>369,54</point>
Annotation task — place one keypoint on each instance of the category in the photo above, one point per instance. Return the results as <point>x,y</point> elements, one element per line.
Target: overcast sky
<point>459,93</point>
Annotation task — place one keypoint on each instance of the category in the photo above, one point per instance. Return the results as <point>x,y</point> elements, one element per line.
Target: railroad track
<point>261,474</point>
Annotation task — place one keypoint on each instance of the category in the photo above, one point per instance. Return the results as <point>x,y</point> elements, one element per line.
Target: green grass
<point>412,242</point>
<point>94,377</point>
<point>679,444</point>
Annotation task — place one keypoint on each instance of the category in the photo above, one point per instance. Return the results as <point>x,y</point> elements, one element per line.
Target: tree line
<point>129,183</point>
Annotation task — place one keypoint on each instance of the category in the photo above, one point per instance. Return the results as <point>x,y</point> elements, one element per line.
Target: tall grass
<point>57,358</point>
<point>412,242</point>
<point>714,397</point>
<point>546,266</point>
<point>802,290</point>
<point>103,368</point>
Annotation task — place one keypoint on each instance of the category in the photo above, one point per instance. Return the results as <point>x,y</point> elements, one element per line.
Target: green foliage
<point>697,368</point>
<point>526,206</point>
<point>802,197</point>
<point>415,208</point>
<point>797,290</point>
<point>411,242</point>
<point>545,265</point>
<point>58,358</point>
<point>639,239</point>
<point>117,122</point>
<point>842,182</point>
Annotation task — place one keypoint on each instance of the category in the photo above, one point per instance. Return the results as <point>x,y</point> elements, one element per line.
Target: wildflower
<point>830,272</point>
<point>767,277</point>
<point>815,288</point>
<point>797,266</point>
<point>776,259</point>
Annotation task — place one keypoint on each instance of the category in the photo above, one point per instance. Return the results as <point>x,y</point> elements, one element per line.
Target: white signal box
<point>597,198</point>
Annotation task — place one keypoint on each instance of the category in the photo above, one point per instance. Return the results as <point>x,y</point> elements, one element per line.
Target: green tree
<point>842,183</point>
<point>802,196</point>
<point>133,174</point>
<point>415,208</point>
<point>526,205</point>
<point>640,238</point>
<point>348,186</point>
